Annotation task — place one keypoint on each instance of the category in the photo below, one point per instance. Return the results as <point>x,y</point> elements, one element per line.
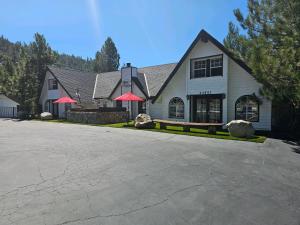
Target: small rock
<point>46,116</point>
<point>143,121</point>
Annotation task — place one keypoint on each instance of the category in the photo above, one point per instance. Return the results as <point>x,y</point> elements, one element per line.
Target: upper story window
<point>207,67</point>
<point>52,84</point>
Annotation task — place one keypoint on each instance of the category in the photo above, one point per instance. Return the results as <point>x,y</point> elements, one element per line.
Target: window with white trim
<point>216,66</point>
<point>176,108</point>
<point>247,108</point>
<point>207,67</point>
<point>52,84</point>
<point>199,68</point>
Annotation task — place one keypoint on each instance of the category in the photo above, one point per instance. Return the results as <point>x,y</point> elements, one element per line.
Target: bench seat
<point>212,127</point>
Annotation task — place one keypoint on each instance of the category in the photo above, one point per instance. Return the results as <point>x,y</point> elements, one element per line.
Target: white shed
<point>8,107</point>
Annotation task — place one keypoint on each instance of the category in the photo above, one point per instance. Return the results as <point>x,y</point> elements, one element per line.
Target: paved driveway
<point>74,174</point>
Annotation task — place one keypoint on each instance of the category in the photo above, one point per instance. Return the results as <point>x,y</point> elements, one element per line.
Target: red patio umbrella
<point>65,100</point>
<point>128,96</point>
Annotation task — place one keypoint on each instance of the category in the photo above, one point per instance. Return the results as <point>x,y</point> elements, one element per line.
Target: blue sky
<point>146,32</point>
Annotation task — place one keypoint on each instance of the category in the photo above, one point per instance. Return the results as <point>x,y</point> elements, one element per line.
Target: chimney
<point>127,73</point>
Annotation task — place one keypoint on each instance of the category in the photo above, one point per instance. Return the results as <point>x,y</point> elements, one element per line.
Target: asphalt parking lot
<point>55,174</point>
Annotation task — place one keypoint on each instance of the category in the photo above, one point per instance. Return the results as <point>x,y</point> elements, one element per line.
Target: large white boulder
<point>143,121</point>
<point>240,128</point>
<point>46,116</point>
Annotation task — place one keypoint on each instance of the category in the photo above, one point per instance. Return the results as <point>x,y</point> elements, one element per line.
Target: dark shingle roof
<point>105,83</point>
<point>155,77</point>
<point>74,79</point>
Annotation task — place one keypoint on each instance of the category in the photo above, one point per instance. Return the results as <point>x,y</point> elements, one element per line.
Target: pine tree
<point>41,55</point>
<point>271,46</point>
<point>108,58</point>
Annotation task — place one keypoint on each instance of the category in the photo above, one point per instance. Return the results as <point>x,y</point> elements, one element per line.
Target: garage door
<point>8,112</point>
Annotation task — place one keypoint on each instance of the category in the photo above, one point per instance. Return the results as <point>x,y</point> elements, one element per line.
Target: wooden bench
<point>211,127</point>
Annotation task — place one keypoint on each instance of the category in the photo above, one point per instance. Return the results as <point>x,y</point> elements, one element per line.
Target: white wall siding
<point>241,83</point>
<point>217,84</point>
<point>175,88</point>
<point>8,107</point>
<point>7,102</point>
<point>155,110</point>
<point>234,83</point>
<point>53,94</point>
<point>132,105</point>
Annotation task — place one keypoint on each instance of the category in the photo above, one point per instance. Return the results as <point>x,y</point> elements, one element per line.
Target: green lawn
<point>193,132</point>
<point>178,130</point>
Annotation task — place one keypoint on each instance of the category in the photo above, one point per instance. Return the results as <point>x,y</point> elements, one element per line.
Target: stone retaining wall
<point>97,117</point>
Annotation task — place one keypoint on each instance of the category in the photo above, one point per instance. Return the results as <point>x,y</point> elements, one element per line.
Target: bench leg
<point>212,130</point>
<point>186,128</point>
<point>162,126</point>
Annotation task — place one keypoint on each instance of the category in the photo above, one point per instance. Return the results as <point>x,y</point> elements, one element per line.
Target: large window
<point>176,108</point>
<point>247,108</point>
<point>207,109</point>
<point>52,84</point>
<point>207,67</point>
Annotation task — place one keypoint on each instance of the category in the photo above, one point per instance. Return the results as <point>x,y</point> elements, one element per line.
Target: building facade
<point>61,82</point>
<point>208,84</point>
<point>8,107</point>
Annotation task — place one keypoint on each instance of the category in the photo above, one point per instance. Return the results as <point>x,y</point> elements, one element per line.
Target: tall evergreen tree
<point>108,59</point>
<point>41,55</point>
<point>271,46</point>
<point>23,67</point>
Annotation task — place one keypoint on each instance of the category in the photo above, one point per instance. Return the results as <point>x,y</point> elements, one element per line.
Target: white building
<point>59,82</point>
<point>8,107</point>
<point>208,84</point>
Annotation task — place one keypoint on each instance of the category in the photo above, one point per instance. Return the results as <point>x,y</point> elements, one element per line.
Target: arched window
<point>176,108</point>
<point>247,108</point>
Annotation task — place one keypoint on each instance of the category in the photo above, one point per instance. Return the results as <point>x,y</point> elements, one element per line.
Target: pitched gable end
<point>204,36</point>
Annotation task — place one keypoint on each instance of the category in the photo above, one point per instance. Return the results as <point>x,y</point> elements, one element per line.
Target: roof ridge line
<point>158,65</point>
<point>71,69</point>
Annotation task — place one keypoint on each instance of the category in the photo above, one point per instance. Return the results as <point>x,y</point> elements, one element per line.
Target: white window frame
<point>178,104</point>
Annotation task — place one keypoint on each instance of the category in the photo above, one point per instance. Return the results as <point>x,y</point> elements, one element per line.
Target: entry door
<point>201,110</point>
<point>207,109</point>
<point>214,113</point>
<point>53,107</point>
<point>142,107</point>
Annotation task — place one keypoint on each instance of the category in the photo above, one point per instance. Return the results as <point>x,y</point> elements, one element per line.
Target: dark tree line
<point>23,67</point>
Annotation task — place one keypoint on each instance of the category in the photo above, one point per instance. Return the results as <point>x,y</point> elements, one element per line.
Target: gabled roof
<point>149,80</point>
<point>156,76</point>
<point>106,83</point>
<point>71,80</point>
<point>203,35</point>
<point>3,97</point>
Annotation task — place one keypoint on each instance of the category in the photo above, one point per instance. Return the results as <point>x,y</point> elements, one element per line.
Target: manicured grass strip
<point>193,132</point>
<point>175,130</point>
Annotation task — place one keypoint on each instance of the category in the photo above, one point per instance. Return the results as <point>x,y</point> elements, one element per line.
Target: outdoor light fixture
<point>77,94</point>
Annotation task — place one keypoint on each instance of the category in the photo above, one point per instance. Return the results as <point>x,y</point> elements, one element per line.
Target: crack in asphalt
<point>134,210</point>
